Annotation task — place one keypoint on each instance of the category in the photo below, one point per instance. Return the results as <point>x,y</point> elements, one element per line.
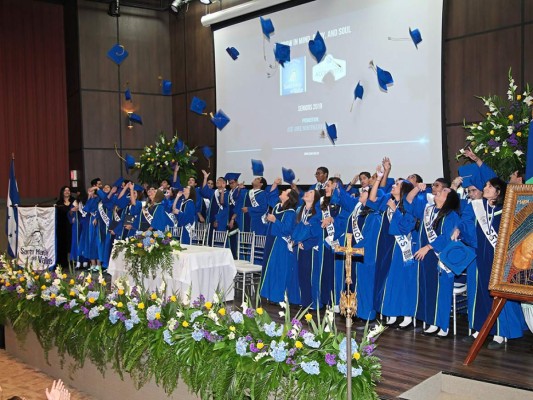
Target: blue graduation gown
<point>186,216</point>
<point>279,264</point>
<point>257,212</point>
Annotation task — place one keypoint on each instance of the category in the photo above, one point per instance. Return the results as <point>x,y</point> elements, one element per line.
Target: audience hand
<point>57,391</point>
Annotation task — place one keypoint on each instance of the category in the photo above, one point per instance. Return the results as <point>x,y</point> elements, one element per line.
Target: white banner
<point>37,236</point>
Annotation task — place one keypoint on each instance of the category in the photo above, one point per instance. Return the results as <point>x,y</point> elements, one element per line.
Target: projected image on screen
<point>278,114</point>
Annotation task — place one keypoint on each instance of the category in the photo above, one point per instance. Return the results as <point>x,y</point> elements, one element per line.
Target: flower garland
<point>219,352</point>
<point>501,138</point>
<point>157,161</point>
<point>147,253</point>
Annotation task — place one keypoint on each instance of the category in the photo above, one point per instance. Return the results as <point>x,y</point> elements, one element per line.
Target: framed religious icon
<point>512,271</point>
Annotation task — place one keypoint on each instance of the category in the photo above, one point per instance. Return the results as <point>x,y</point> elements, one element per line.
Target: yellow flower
<point>104,283</point>
<point>492,132</point>
<point>308,317</point>
<point>153,296</point>
<point>222,311</point>
<point>486,151</point>
<point>121,292</point>
<point>185,324</point>
<point>208,305</point>
<point>518,97</point>
<point>53,296</point>
<point>88,279</point>
<point>169,234</point>
<point>260,345</point>
<point>42,287</point>
<point>259,310</point>
<point>46,275</point>
<point>71,282</point>
<point>9,284</point>
<point>21,279</point>
<point>488,114</point>
<point>152,241</point>
<point>155,235</point>
<point>173,298</point>
<point>232,328</point>
<point>92,300</point>
<point>139,245</point>
<point>298,344</point>
<point>64,276</point>
<point>119,304</point>
<point>72,293</point>
<point>510,116</point>
<point>356,356</point>
<point>519,134</point>
<point>157,315</point>
<point>140,306</point>
<point>20,289</point>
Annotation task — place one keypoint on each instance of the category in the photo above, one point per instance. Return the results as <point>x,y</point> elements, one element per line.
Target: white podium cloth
<point>198,269</point>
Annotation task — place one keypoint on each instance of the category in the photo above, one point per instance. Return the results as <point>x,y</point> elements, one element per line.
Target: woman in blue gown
<point>184,207</point>
<point>279,273</point>
<point>439,221</point>
<point>479,227</point>
<point>306,236</point>
<point>153,216</point>
<point>132,212</point>
<point>256,205</point>
<point>396,288</point>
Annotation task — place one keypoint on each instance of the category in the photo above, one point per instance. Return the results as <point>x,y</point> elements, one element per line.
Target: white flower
<point>56,282</point>
<point>528,100</point>
<point>471,137</point>
<point>519,153</point>
<point>179,314</point>
<point>231,336</point>
<point>497,138</point>
<point>260,355</point>
<point>282,304</point>
<point>504,144</point>
<point>375,331</point>
<point>213,315</point>
<point>162,287</point>
<point>510,129</point>
<point>30,296</point>
<point>281,313</point>
<point>216,299</point>
<point>497,149</point>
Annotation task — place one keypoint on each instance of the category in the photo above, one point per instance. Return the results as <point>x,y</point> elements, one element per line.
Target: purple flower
<point>85,310</point>
<point>250,313</point>
<point>512,140</point>
<point>369,349</point>
<point>66,306</point>
<point>154,324</point>
<point>296,323</point>
<point>303,332</point>
<point>199,302</point>
<point>292,351</point>
<point>493,143</point>
<point>211,336</point>
<point>108,306</point>
<point>249,338</point>
<point>52,302</point>
<point>330,359</point>
<point>290,361</point>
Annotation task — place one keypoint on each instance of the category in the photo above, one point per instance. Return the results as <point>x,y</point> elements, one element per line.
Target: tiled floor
<point>19,379</point>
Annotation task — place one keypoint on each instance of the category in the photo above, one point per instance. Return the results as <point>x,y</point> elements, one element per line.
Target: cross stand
<point>348,304</point>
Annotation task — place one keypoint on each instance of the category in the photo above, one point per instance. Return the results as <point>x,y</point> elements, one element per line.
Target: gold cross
<point>348,300</point>
<point>349,251</point>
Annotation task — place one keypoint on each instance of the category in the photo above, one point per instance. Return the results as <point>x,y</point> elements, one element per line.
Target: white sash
<point>252,194</point>
<point>484,218</point>
<point>403,241</point>
<point>429,218</point>
<point>116,217</point>
<point>357,234</point>
<point>305,214</point>
<point>80,209</point>
<point>320,186</point>
<point>330,229</point>
<point>103,214</point>
<point>217,199</point>
<point>172,217</point>
<point>190,230</point>
<point>147,216</point>
<point>231,199</point>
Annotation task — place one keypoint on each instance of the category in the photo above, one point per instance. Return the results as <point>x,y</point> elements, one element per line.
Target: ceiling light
<point>114,8</point>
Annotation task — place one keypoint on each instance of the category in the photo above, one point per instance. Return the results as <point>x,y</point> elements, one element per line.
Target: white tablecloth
<point>198,269</point>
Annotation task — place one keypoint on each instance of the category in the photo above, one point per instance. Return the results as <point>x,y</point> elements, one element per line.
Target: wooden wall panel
<point>200,57</point>
<point>156,112</point>
<point>471,16</point>
<point>103,164</point>
<point>528,10</point>
<point>455,136</point>
<point>528,55</point>
<point>180,113</point>
<point>177,52</point>
<point>477,66</point>
<point>97,34</point>
<point>100,116</point>
<point>145,34</point>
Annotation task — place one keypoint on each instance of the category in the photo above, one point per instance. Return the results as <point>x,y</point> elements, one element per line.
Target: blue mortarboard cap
<point>282,52</point>
<point>118,182</point>
<point>288,175</point>
<point>129,162</point>
<point>359,91</point>
<point>207,152</point>
<point>331,130</point>
<point>267,26</point>
<point>232,176</point>
<point>166,87</point>
<point>198,105</point>
<point>179,146</point>
<point>220,119</point>
<point>127,94</point>
<point>257,167</point>
<point>384,78</point>
<point>457,256</point>
<point>117,53</point>
<point>317,46</point>
<point>233,52</point>
<point>471,176</point>
<point>136,118</point>
<point>138,188</point>
<point>416,37</point>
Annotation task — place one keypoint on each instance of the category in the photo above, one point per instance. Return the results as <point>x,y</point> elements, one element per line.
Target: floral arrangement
<point>500,139</point>
<point>218,351</point>
<point>158,160</point>
<point>147,253</point>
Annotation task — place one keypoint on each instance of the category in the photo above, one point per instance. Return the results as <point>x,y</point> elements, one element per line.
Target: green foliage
<point>218,352</point>
<point>500,139</point>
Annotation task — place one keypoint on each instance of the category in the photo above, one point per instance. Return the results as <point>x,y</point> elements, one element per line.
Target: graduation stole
<point>287,239</point>
<point>217,199</point>
<point>305,214</point>
<point>330,229</point>
<point>320,186</point>
<point>189,227</point>
<point>485,220</point>
<point>172,217</point>
<point>429,218</point>
<point>146,213</point>
<point>252,194</point>
<point>103,214</point>
<point>80,209</point>
<point>357,234</point>
<point>231,199</point>
<point>403,241</point>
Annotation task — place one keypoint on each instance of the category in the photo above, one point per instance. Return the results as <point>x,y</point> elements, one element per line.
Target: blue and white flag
<point>13,199</point>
